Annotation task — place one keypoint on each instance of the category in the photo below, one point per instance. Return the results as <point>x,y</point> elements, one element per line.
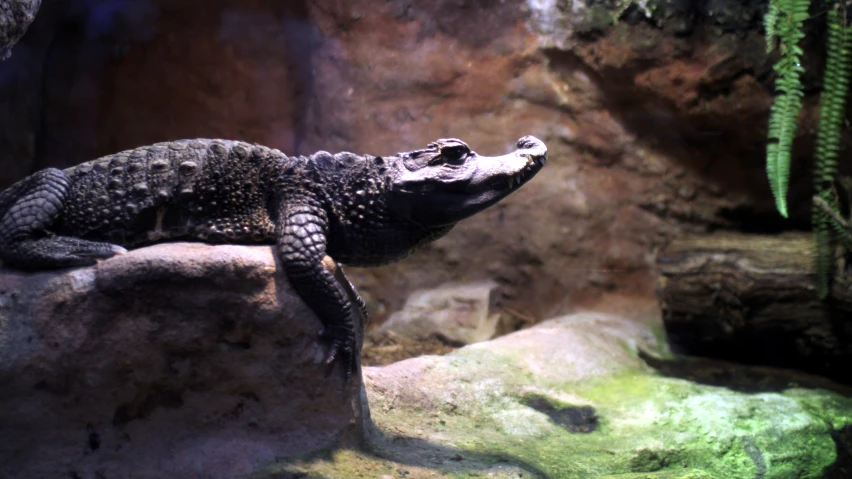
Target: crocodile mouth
<point>532,166</point>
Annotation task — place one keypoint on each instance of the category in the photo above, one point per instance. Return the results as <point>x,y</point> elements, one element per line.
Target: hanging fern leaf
<point>789,18</point>
<point>832,108</point>
<point>770,20</point>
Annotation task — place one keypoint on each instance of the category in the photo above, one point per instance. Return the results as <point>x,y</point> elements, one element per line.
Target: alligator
<point>320,210</point>
<point>15,17</point>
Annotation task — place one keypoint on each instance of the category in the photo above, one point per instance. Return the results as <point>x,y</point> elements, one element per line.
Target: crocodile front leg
<point>302,249</point>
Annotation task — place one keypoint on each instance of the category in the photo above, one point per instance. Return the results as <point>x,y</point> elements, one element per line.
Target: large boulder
<point>177,360</point>
<point>577,398</point>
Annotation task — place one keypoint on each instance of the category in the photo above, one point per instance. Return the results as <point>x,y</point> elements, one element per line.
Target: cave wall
<point>654,118</point>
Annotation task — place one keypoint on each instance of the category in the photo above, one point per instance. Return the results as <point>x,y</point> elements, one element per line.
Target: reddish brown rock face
<point>236,70</point>
<point>654,126</point>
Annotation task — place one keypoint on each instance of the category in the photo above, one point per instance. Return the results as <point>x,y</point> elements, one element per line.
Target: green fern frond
<point>791,15</point>
<point>832,101</point>
<point>770,22</point>
<point>831,112</point>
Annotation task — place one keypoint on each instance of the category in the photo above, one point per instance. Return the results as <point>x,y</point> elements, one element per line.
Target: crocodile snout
<point>533,149</point>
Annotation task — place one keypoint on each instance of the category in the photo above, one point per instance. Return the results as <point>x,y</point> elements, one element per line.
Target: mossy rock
<point>571,398</point>
<point>683,474</point>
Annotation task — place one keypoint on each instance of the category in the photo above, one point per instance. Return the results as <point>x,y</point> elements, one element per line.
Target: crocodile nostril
<point>530,142</point>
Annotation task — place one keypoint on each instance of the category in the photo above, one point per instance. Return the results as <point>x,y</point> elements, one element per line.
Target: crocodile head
<point>448,182</point>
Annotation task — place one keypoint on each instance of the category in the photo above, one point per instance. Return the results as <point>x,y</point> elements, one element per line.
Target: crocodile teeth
<point>511,181</point>
<point>518,178</point>
<point>543,160</point>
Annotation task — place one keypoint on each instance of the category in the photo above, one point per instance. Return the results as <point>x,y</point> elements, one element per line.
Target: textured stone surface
<point>572,398</point>
<point>15,17</point>
<point>177,360</point>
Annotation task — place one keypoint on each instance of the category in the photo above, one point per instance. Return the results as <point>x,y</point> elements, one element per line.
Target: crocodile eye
<point>455,153</point>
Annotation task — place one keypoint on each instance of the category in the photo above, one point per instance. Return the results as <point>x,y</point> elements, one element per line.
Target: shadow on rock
<point>740,377</point>
<point>400,456</point>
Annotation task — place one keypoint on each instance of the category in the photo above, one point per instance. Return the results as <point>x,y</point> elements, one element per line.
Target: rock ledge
<point>176,360</point>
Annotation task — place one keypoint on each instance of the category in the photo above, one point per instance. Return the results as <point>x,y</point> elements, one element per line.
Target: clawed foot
<point>54,252</point>
<point>82,250</point>
<point>341,350</point>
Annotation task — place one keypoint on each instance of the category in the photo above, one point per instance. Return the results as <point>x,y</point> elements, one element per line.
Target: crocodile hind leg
<point>28,209</point>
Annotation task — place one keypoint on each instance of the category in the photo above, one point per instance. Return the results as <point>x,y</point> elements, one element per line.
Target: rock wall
<point>654,117</point>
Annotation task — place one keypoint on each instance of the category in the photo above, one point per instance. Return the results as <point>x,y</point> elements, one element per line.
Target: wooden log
<point>752,299</point>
